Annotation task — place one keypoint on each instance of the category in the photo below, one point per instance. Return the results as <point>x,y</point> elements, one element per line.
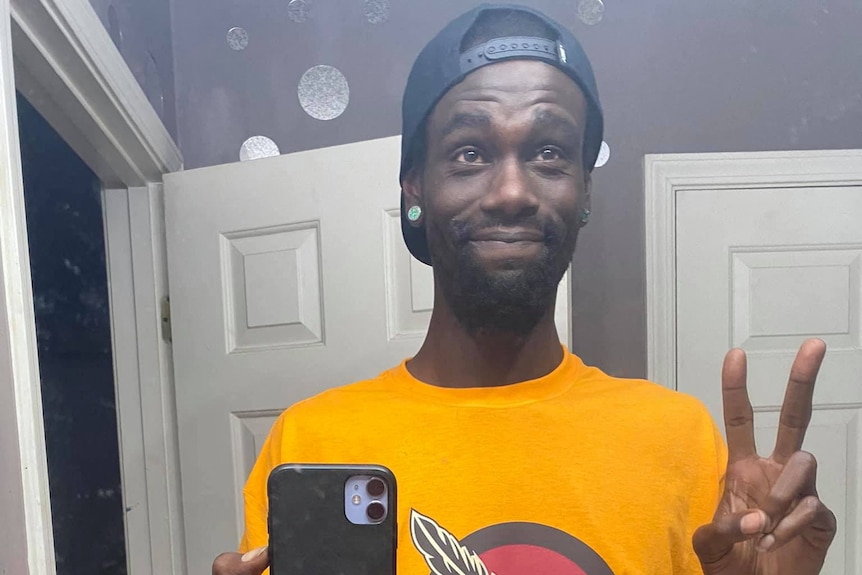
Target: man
<point>506,446</point>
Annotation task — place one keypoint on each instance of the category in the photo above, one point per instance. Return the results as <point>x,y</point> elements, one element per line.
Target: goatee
<point>509,301</point>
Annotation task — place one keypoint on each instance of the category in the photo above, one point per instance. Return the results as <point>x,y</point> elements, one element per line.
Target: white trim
<point>124,345</point>
<point>665,175</point>
<point>24,495</point>
<point>68,68</point>
<point>134,232</point>
<point>76,78</point>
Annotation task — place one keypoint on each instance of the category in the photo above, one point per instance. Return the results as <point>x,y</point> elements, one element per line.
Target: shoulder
<point>643,400</point>
<point>339,400</point>
<point>675,427</point>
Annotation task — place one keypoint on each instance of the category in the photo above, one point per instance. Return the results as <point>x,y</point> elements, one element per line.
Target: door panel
<point>763,269</point>
<point>288,276</point>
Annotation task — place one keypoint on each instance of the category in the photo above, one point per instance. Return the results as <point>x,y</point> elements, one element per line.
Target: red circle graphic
<point>521,559</point>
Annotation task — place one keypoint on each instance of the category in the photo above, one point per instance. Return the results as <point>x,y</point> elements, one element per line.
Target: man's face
<point>502,189</point>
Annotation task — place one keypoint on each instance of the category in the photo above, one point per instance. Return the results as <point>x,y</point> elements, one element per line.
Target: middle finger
<point>797,406</point>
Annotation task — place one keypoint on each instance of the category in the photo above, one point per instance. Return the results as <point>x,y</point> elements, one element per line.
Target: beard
<point>508,301</point>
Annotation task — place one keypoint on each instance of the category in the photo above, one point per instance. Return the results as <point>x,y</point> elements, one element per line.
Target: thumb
<point>257,557</point>
<point>254,562</point>
<point>713,541</point>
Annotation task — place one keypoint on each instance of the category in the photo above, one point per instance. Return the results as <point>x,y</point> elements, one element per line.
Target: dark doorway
<point>63,205</point>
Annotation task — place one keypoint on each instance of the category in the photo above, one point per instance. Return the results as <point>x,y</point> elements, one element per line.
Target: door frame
<point>66,65</point>
<point>667,174</point>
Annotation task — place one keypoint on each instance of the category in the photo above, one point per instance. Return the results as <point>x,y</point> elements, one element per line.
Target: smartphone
<point>332,519</point>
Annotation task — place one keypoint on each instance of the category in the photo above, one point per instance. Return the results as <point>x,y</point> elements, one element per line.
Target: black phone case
<point>309,533</point>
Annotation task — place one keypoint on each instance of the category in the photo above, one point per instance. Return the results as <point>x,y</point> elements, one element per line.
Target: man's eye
<point>469,156</point>
<point>549,153</point>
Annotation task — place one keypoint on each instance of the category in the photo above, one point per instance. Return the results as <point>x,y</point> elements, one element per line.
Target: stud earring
<point>414,213</point>
<point>585,216</point>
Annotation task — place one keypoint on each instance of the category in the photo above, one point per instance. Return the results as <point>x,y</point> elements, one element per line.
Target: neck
<point>453,357</point>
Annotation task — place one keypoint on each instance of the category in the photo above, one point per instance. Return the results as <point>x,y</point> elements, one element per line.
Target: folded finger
<point>798,479</point>
<point>713,541</point>
<point>809,515</point>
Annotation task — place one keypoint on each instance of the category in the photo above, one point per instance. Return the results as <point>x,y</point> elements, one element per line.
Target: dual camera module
<point>366,500</point>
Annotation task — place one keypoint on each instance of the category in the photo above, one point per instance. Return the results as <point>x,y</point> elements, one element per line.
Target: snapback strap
<point>511,47</point>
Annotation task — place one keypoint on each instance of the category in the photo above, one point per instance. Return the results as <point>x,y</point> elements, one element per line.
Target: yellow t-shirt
<point>574,473</point>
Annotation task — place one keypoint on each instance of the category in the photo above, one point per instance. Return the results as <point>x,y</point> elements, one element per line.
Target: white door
<point>764,268</point>
<point>288,276</point>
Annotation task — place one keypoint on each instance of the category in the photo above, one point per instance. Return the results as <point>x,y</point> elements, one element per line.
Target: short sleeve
<point>709,465</point>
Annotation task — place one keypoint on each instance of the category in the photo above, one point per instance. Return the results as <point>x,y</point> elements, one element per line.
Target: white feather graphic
<point>443,552</point>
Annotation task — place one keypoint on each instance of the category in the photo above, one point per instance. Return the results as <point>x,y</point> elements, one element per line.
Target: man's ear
<point>412,189</point>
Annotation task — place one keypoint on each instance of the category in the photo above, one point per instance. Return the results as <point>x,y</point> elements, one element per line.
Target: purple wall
<point>141,30</point>
<point>674,76</point>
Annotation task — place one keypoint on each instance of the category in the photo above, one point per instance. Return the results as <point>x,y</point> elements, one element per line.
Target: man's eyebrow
<point>564,126</point>
<point>466,120</point>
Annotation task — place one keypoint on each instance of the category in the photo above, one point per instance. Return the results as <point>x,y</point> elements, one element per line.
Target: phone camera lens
<point>375,487</point>
<point>376,511</point>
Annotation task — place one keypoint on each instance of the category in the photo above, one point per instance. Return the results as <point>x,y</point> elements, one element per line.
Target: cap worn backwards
<point>443,63</point>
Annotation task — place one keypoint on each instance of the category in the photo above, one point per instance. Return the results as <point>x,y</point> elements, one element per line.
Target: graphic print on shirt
<point>504,549</point>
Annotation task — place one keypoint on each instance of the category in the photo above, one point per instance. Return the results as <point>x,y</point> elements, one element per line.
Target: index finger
<point>798,399</point>
<point>738,414</point>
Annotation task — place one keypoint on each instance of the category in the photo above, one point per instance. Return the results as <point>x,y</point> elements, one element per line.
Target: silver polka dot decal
<point>237,38</point>
<point>377,11</point>
<point>604,155</point>
<point>591,11</point>
<point>257,147</point>
<point>299,10</point>
<point>323,92</point>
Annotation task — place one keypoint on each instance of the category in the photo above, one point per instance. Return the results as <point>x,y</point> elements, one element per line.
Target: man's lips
<point>509,236</point>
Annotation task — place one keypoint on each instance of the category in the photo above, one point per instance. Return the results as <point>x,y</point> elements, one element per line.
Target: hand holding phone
<point>254,562</point>
<point>332,519</point>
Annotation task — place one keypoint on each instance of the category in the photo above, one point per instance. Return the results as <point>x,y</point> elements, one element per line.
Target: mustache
<point>462,230</point>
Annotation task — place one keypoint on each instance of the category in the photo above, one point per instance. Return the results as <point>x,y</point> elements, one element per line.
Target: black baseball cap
<point>441,65</point>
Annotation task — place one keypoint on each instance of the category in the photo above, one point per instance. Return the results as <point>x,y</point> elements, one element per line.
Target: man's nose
<point>511,194</point>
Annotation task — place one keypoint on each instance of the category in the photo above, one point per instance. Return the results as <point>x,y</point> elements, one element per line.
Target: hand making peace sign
<point>770,520</point>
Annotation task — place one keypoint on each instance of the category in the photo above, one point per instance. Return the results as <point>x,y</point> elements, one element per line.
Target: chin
<point>508,269</point>
<point>489,292</point>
